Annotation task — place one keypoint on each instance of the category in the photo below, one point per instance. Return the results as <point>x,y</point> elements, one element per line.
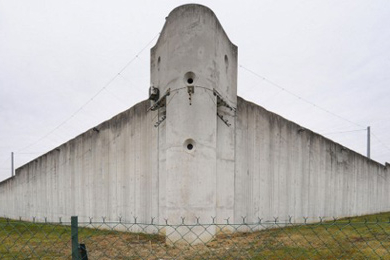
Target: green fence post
<point>75,238</point>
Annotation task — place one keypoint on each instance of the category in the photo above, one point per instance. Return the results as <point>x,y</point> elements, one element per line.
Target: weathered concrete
<point>256,164</point>
<point>109,172</point>
<point>192,58</point>
<point>283,169</point>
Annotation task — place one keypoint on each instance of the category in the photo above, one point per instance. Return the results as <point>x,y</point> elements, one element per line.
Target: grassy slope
<point>366,237</point>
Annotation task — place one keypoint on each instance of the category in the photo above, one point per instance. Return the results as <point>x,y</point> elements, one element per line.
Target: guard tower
<point>193,94</point>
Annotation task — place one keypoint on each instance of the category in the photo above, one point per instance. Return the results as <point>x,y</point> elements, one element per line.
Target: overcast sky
<point>57,60</point>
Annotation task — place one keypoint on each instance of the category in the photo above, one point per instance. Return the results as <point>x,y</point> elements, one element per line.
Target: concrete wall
<point>283,169</point>
<point>109,173</point>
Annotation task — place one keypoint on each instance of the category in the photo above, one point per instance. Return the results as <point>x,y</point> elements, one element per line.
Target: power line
<point>313,104</point>
<point>297,96</point>
<point>380,141</point>
<point>341,132</point>
<point>28,153</point>
<point>132,84</point>
<point>93,97</point>
<point>116,97</point>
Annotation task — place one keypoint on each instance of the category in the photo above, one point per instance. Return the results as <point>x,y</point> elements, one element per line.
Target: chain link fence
<point>338,239</point>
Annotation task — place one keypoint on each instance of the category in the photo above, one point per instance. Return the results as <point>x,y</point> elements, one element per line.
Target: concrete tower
<point>194,96</point>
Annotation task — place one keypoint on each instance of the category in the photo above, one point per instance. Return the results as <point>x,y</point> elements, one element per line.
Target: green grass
<point>23,240</point>
<point>366,237</point>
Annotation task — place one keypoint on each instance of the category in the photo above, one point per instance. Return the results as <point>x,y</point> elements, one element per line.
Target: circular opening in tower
<point>189,78</point>
<point>189,145</point>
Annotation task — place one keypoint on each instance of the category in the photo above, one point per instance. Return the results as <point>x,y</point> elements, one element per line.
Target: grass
<point>366,237</point>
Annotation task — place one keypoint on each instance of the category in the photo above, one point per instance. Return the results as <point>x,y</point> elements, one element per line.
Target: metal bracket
<point>224,120</point>
<point>222,102</point>
<point>190,90</point>
<point>161,102</point>
<point>160,121</point>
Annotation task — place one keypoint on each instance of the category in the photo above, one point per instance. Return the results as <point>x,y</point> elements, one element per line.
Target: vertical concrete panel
<point>241,162</point>
<point>283,171</point>
<point>258,178</point>
<point>162,173</point>
<point>322,177</point>
<point>226,142</point>
<point>314,169</point>
<point>151,157</point>
<point>111,170</point>
<point>248,173</point>
<point>262,201</point>
<point>130,183</point>
<point>120,162</point>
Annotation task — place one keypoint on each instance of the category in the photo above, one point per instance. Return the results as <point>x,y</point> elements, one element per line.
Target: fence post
<point>75,238</point>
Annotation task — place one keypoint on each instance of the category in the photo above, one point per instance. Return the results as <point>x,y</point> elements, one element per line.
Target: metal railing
<point>338,239</point>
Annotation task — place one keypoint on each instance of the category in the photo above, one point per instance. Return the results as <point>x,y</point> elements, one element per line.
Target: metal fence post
<point>75,238</point>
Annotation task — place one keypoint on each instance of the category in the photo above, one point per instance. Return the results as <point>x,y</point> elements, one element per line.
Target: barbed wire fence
<point>336,239</point>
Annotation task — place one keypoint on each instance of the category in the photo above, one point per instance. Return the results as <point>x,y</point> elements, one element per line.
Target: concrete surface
<point>109,173</point>
<point>194,52</point>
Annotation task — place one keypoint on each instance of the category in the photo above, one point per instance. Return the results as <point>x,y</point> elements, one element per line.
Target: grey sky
<point>56,55</point>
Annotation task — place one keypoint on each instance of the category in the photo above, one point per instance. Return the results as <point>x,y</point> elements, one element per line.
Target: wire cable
<point>380,141</point>
<point>297,96</point>
<point>315,105</point>
<point>341,132</point>
<point>93,97</point>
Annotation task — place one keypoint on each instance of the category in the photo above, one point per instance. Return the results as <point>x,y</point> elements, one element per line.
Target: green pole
<point>75,238</point>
